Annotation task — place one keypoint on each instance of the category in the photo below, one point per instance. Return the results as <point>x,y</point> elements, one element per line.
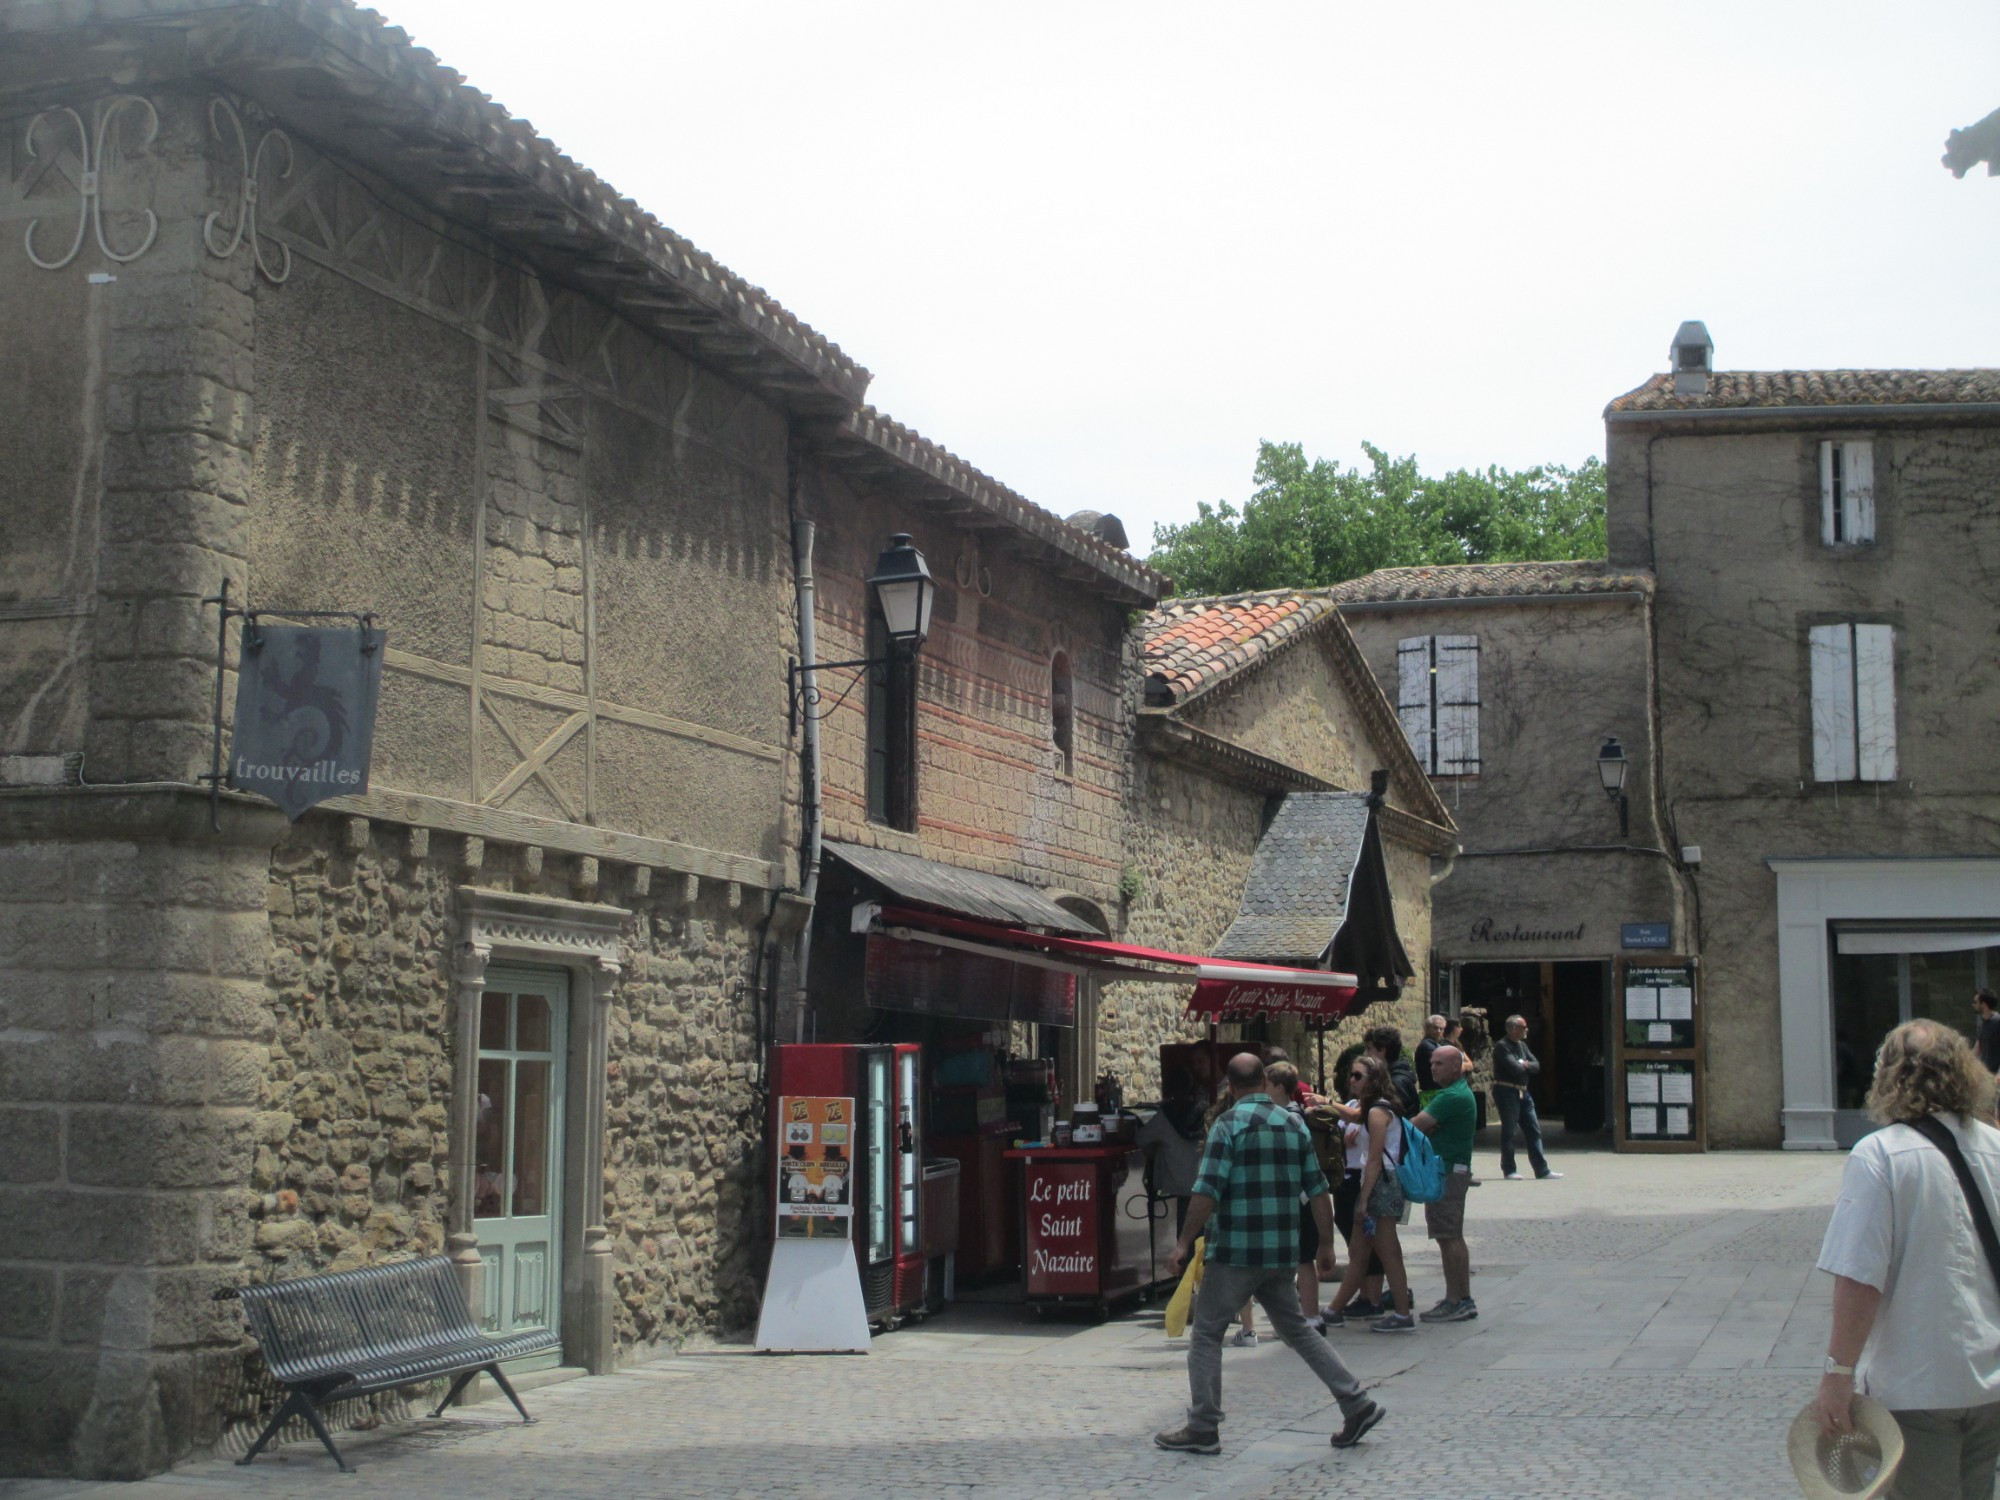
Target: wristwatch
<point>1835,1367</point>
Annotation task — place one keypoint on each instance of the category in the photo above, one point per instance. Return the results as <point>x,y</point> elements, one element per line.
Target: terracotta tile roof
<point>1732,389</point>
<point>871,430</point>
<point>1489,581</point>
<point>1189,644</point>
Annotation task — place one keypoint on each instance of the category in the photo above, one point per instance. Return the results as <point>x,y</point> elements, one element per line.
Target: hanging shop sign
<point>305,711</point>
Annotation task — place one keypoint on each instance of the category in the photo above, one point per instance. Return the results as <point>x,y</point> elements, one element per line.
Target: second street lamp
<point>1611,768</point>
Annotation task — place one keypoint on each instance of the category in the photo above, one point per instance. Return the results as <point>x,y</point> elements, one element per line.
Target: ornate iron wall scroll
<point>246,202</point>
<point>90,206</point>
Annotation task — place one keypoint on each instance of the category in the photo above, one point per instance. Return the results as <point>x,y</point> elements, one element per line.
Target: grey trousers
<point>1948,1454</point>
<point>1224,1290</point>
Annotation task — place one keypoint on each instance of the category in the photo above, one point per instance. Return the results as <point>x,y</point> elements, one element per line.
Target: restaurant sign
<point>305,712</point>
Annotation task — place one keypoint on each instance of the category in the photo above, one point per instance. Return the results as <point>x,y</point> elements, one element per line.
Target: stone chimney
<point>1693,359</point>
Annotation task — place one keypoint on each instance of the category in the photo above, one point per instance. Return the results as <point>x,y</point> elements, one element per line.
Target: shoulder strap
<point>1934,1130</point>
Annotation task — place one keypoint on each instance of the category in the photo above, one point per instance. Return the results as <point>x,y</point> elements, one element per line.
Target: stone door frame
<point>586,939</point>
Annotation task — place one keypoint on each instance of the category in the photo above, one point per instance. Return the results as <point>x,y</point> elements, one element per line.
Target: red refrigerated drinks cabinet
<point>885,1084</point>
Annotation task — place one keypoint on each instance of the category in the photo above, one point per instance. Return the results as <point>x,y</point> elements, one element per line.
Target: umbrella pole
<point>1321,1034</point>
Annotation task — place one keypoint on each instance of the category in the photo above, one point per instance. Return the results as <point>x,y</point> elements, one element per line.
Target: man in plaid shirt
<point>1256,1168</point>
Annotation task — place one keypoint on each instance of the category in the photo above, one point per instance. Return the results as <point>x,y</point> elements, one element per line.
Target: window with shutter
<point>1853,702</point>
<point>1847,492</point>
<point>1413,696</point>
<point>1437,698</point>
<point>1457,719</point>
<point>1874,702</point>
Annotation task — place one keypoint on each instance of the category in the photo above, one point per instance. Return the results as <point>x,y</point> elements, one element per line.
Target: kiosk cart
<point>1089,1237</point>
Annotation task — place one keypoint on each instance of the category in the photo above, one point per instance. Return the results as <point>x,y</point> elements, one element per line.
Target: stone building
<point>300,311</point>
<point>1824,547</point>
<point>1508,679</point>
<point>1247,706</point>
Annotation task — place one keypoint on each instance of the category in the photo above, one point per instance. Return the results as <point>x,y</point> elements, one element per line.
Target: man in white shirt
<point>1916,1303</point>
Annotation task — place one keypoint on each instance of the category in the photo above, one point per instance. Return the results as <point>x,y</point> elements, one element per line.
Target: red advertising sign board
<point>1062,1229</point>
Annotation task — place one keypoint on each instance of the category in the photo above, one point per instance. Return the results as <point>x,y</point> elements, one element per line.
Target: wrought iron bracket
<point>801,699</point>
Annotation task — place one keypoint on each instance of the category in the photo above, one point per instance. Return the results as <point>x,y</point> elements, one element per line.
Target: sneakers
<point>1244,1338</point>
<point>1511,1176</point>
<point>1332,1319</point>
<point>1358,1424</point>
<point>1187,1440</point>
<point>1548,1176</point>
<point>1317,1325</point>
<point>1361,1307</point>
<point>1448,1311</point>
<point>1394,1322</point>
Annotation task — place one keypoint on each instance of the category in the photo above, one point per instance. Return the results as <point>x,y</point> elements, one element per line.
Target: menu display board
<point>815,1166</point>
<point>1659,1007</point>
<point>1659,1101</point>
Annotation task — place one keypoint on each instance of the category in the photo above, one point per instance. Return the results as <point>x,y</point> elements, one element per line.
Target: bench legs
<point>500,1380</point>
<point>297,1403</point>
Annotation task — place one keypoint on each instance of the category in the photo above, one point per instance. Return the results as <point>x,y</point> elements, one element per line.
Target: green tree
<point>1310,524</point>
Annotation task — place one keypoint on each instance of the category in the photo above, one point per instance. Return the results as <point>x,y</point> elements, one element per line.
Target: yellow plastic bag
<point>1182,1302</point>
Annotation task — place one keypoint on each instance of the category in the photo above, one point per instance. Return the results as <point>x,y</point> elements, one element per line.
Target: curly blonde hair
<point>1927,1068</point>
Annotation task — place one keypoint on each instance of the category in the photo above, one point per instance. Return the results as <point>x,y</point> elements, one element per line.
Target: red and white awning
<point>1224,990</point>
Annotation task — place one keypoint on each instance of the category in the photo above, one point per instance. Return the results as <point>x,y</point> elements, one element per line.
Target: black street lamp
<point>904,592</point>
<point>1611,768</point>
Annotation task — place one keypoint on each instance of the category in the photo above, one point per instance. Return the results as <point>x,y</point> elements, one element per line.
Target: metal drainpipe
<point>809,769</point>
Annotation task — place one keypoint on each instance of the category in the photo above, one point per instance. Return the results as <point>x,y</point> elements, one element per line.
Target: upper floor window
<point>892,732</point>
<point>1062,711</point>
<point>1846,491</point>
<point>1437,697</point>
<point>1853,702</point>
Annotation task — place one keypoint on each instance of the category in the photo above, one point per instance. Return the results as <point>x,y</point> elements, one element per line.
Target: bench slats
<point>348,1333</point>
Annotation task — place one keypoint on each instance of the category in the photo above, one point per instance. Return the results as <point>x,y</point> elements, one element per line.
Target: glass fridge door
<point>881,1151</point>
<point>909,1152</point>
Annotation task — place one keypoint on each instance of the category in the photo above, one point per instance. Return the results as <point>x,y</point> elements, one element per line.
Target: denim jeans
<point>1224,1290</point>
<point>1517,1107</point>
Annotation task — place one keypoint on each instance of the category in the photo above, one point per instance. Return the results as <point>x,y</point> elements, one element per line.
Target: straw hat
<point>1856,1465</point>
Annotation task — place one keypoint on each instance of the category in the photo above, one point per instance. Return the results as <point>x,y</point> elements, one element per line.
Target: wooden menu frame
<point>1681,1052</point>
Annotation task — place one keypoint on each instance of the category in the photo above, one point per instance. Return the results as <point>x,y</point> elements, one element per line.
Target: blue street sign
<point>1646,935</point>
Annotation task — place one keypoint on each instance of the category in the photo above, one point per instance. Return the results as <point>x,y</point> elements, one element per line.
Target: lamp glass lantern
<point>1611,765</point>
<point>905,592</point>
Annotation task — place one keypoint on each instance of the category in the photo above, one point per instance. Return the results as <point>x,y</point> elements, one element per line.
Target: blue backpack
<point>1420,1171</point>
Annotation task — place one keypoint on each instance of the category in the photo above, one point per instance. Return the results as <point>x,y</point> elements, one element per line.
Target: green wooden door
<point>518,1149</point>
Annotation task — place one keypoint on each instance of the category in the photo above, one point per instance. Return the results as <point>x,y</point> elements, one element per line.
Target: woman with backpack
<point>1379,1202</point>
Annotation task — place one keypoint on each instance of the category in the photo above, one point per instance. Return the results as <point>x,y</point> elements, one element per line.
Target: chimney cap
<point>1692,358</point>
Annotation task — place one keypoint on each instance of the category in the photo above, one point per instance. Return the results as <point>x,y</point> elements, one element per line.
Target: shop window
<point>1883,978</point>
<point>1847,492</point>
<point>1437,698</point>
<point>1062,711</point>
<point>1853,702</point>
<point>892,732</point>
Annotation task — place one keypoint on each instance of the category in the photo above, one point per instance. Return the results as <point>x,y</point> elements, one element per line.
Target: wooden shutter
<point>1858,491</point>
<point>1828,531</point>
<point>1875,702</point>
<point>1832,650</point>
<point>1457,705</point>
<point>1413,697</point>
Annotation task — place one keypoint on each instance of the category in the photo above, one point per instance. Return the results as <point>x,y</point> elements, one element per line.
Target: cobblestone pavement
<point>1648,1326</point>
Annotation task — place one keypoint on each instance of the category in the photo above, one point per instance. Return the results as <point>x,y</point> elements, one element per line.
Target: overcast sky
<point>1100,250</point>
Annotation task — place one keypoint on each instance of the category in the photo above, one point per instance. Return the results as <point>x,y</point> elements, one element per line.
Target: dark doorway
<point>1564,1006</point>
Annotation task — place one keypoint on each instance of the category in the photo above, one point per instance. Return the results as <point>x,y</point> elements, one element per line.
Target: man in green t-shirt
<point>1449,1118</point>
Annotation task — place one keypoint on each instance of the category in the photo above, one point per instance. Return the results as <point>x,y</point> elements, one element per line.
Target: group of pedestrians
<point>1271,1219</point>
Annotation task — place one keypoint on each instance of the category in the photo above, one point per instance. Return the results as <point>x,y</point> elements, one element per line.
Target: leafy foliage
<point>1313,523</point>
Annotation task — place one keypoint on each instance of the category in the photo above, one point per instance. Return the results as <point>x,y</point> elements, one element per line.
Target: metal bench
<point>347,1333</point>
